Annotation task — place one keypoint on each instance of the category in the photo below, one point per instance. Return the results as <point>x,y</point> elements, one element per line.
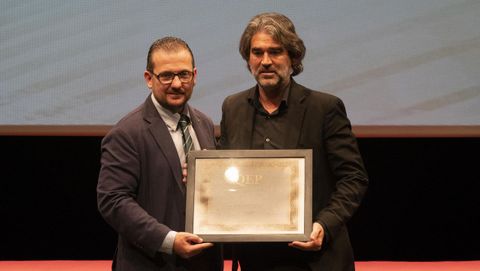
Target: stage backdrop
<point>393,62</point>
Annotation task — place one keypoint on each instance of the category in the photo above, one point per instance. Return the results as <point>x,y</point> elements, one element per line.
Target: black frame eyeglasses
<point>166,78</point>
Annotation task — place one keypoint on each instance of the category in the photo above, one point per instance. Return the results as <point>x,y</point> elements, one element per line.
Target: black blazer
<point>317,121</point>
<point>140,191</point>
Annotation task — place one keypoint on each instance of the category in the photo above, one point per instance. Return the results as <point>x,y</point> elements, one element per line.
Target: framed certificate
<point>250,195</point>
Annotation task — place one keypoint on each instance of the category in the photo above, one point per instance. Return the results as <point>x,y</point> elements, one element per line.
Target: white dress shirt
<point>171,120</point>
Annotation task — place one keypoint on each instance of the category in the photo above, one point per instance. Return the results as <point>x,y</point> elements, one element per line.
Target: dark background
<point>422,203</point>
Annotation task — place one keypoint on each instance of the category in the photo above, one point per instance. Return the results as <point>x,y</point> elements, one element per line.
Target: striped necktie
<point>187,139</point>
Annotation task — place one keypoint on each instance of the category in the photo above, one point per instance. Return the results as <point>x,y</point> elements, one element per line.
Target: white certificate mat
<point>249,195</point>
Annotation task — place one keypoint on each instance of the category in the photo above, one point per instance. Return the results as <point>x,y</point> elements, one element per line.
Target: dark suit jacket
<point>140,191</point>
<point>316,121</point>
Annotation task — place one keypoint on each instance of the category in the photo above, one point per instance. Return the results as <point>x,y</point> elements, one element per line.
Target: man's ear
<point>295,62</point>
<point>194,76</point>
<point>148,79</point>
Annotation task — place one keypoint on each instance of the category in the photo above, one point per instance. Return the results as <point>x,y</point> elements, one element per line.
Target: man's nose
<point>176,83</point>
<point>266,61</point>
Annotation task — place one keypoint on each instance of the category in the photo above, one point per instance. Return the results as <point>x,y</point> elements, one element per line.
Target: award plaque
<point>250,195</point>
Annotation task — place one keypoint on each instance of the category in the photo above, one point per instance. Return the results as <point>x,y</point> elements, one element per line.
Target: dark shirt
<point>269,130</point>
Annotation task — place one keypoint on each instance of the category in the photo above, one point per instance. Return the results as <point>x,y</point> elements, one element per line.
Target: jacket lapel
<point>246,124</point>
<point>295,116</point>
<point>162,137</point>
<point>200,130</point>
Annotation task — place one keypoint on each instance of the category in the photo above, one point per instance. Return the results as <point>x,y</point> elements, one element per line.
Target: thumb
<point>316,231</point>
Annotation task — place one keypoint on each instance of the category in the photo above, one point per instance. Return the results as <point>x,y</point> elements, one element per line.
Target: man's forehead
<point>264,40</point>
<point>180,55</point>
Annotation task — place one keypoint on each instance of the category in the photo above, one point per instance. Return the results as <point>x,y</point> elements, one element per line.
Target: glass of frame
<point>250,195</point>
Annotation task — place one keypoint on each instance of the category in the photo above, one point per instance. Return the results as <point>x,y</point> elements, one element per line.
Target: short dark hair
<point>169,44</point>
<point>281,28</point>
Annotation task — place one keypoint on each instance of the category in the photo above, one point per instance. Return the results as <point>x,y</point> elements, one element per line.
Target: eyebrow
<point>268,48</point>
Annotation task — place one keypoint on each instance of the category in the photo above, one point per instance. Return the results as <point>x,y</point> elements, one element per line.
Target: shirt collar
<point>170,119</point>
<point>255,102</point>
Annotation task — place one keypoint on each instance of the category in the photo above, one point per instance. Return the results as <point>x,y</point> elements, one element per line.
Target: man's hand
<point>187,245</point>
<point>316,239</point>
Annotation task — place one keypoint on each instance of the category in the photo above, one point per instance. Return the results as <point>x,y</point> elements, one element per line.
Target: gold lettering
<point>250,179</point>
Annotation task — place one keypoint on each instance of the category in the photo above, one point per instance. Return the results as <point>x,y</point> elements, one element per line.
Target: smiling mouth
<point>176,95</point>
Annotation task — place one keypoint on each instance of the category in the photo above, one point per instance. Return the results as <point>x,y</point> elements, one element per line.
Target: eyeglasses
<point>166,78</point>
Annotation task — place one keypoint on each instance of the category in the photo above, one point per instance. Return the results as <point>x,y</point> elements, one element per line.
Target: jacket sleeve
<point>117,192</point>
<point>345,162</point>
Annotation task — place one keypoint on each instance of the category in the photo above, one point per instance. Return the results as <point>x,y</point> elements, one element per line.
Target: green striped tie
<point>187,139</point>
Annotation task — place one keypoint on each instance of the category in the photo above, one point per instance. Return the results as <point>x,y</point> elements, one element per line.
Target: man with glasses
<point>141,190</point>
